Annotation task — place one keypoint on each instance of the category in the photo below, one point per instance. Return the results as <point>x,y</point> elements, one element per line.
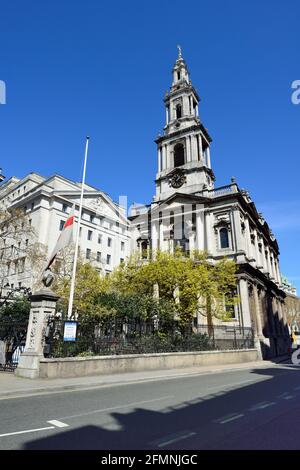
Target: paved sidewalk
<point>12,386</point>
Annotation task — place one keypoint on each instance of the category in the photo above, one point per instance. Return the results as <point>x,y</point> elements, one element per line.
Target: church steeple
<point>182,99</point>
<point>180,71</point>
<point>183,150</point>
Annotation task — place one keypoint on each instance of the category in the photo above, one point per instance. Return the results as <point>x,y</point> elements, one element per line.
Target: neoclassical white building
<point>188,210</point>
<point>47,202</point>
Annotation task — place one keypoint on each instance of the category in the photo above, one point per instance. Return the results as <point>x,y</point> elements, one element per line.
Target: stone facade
<point>188,210</point>
<point>47,202</point>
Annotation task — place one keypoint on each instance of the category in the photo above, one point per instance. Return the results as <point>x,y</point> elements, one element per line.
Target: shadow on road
<point>147,429</point>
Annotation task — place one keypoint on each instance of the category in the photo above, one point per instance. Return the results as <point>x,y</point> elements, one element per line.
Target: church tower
<point>183,150</point>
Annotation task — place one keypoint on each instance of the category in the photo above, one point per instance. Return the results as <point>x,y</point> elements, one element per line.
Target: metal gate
<point>12,344</point>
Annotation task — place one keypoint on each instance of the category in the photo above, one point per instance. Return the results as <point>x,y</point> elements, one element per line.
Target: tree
<point>292,309</point>
<point>190,284</point>
<point>19,249</point>
<point>87,289</point>
<point>13,322</point>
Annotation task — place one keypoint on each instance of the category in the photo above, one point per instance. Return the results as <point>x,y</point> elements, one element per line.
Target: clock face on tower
<point>177,179</point>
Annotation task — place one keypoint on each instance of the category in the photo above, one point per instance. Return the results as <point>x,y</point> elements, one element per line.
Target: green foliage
<point>188,284</point>
<point>13,322</point>
<point>16,310</point>
<point>87,289</point>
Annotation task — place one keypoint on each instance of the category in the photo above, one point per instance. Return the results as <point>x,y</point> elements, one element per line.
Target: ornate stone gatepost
<point>43,305</point>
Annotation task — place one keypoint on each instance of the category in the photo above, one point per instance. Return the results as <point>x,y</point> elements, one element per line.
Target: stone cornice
<point>186,130</point>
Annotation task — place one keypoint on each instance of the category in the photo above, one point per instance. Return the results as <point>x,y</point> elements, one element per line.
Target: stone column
<point>208,157</point>
<point>188,148</point>
<point>159,159</point>
<point>200,227</point>
<point>237,229</point>
<point>248,238</point>
<point>210,235</point>
<point>154,234</point>
<point>43,305</point>
<point>200,147</point>
<point>192,153</point>
<point>244,299</point>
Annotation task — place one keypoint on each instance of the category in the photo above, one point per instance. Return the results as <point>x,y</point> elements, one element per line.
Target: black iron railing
<point>135,337</point>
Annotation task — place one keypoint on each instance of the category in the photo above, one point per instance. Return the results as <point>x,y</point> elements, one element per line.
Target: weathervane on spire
<point>179,52</point>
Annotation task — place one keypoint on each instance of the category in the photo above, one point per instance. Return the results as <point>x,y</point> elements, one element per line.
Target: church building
<point>190,211</point>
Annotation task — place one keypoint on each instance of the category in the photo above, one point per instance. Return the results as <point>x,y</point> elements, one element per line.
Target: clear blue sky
<point>102,68</point>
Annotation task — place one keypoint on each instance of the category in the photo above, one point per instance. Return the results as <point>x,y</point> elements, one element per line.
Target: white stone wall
<point>51,202</point>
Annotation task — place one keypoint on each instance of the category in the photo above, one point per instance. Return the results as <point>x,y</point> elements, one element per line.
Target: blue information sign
<point>70,330</point>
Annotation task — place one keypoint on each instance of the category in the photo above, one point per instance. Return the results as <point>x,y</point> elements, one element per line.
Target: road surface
<point>237,409</point>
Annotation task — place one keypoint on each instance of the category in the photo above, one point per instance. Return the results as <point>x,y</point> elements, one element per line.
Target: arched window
<point>178,111</point>
<point>178,155</point>
<point>224,239</point>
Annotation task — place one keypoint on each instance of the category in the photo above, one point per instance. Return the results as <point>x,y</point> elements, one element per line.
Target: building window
<point>178,111</point>
<point>92,217</point>
<point>172,225</point>
<point>108,259</point>
<point>178,75</point>
<point>224,239</point>
<point>64,207</point>
<point>99,238</point>
<point>89,235</point>
<point>144,247</point>
<point>32,205</point>
<point>194,217</point>
<point>88,253</point>
<point>121,260</point>
<point>178,155</point>
<point>109,240</point>
<point>122,246</point>
<point>61,225</point>
<point>99,256</point>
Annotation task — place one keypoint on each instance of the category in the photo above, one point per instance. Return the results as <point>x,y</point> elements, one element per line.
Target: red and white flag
<point>64,239</point>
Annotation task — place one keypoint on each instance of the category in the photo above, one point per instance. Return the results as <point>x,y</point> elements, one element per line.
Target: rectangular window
<point>108,259</point>
<point>194,217</point>
<point>64,207</point>
<point>92,218</point>
<point>99,256</point>
<point>88,253</point>
<point>99,238</point>
<point>90,235</point>
<point>61,225</point>
<point>121,260</point>
<point>122,246</point>
<point>109,240</point>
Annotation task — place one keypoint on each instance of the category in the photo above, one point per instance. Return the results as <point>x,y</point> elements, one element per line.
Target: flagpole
<point>72,287</point>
